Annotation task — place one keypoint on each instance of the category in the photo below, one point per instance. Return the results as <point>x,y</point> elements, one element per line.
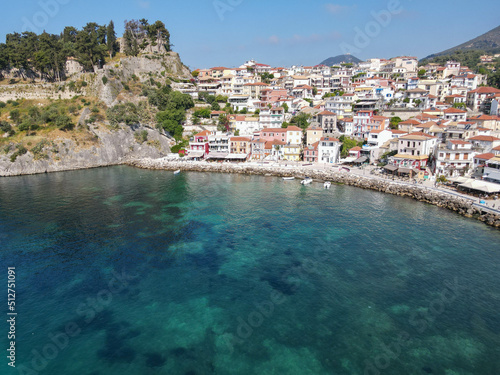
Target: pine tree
<point>111,39</point>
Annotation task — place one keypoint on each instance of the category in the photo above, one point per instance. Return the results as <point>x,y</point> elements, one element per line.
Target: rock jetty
<point>458,204</point>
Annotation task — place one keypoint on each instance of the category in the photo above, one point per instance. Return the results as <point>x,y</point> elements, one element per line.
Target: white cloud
<point>144,4</point>
<point>274,39</point>
<point>335,8</point>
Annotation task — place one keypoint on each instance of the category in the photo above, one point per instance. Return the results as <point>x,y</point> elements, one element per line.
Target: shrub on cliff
<point>141,136</point>
<point>63,122</point>
<point>123,113</point>
<point>21,150</point>
<point>5,127</point>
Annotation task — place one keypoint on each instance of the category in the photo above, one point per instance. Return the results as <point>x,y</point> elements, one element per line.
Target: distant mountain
<point>341,59</point>
<point>488,42</point>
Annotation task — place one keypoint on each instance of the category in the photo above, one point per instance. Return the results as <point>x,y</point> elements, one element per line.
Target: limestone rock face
<point>111,148</point>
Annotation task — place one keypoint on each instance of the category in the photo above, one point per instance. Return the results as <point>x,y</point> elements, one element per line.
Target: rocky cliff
<point>106,147</point>
<point>105,84</point>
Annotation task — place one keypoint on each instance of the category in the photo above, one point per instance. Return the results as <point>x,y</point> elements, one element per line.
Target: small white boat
<point>306,181</point>
<point>288,178</point>
<point>177,171</point>
<point>327,184</point>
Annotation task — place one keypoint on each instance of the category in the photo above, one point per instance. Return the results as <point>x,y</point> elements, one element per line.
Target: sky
<point>208,33</point>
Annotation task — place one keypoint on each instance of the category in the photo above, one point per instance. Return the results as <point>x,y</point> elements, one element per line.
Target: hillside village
<point>429,121</point>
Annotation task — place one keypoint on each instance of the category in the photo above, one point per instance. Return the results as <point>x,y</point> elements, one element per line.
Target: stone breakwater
<point>457,204</point>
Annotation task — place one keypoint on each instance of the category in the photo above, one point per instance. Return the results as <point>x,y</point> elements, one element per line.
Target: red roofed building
<point>198,145</point>
<point>455,114</point>
<point>480,98</point>
<point>303,92</point>
<point>485,142</point>
<point>329,150</point>
<point>355,152</point>
<point>409,125</point>
<point>253,90</point>
<point>327,121</point>
<point>311,153</point>
<point>454,158</point>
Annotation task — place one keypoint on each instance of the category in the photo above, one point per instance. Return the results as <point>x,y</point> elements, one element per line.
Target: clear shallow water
<point>225,274</point>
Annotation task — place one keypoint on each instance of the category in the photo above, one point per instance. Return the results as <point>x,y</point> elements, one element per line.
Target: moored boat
<point>177,171</point>
<point>306,181</point>
<point>327,184</point>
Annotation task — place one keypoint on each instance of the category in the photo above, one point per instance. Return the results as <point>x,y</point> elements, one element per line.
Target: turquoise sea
<point>129,271</point>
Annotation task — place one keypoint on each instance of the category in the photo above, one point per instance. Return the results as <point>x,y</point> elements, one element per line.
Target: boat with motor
<point>306,181</point>
<point>177,171</point>
<point>327,184</point>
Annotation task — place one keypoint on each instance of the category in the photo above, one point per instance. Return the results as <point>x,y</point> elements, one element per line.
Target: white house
<point>328,150</point>
<point>454,158</point>
<point>294,135</point>
<point>377,138</point>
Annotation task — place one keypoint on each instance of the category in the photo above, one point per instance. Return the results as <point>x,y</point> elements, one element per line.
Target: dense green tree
<point>15,116</point>
<point>301,120</point>
<point>394,122</point>
<point>223,123</point>
<point>494,79</point>
<point>204,113</point>
<point>111,44</point>
<point>90,47</point>
<point>347,144</point>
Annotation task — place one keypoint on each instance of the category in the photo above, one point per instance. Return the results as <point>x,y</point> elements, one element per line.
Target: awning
<point>481,186</point>
<point>391,168</point>
<point>195,154</point>
<point>405,170</point>
<point>217,155</point>
<point>237,156</point>
<point>362,159</point>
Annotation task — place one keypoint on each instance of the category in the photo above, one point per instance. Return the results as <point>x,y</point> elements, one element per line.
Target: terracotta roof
<point>276,130</point>
<point>330,139</point>
<point>417,135</point>
<point>457,142</point>
<point>204,133</point>
<point>426,125</point>
<point>306,87</point>
<point>486,138</point>
<point>326,113</point>
<point>396,131</point>
<point>497,148</point>
<point>484,118</point>
<point>293,128</point>
<point>357,148</point>
<point>240,139</point>
<point>410,122</point>
<point>486,156</point>
<point>454,110</point>
<point>485,90</point>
